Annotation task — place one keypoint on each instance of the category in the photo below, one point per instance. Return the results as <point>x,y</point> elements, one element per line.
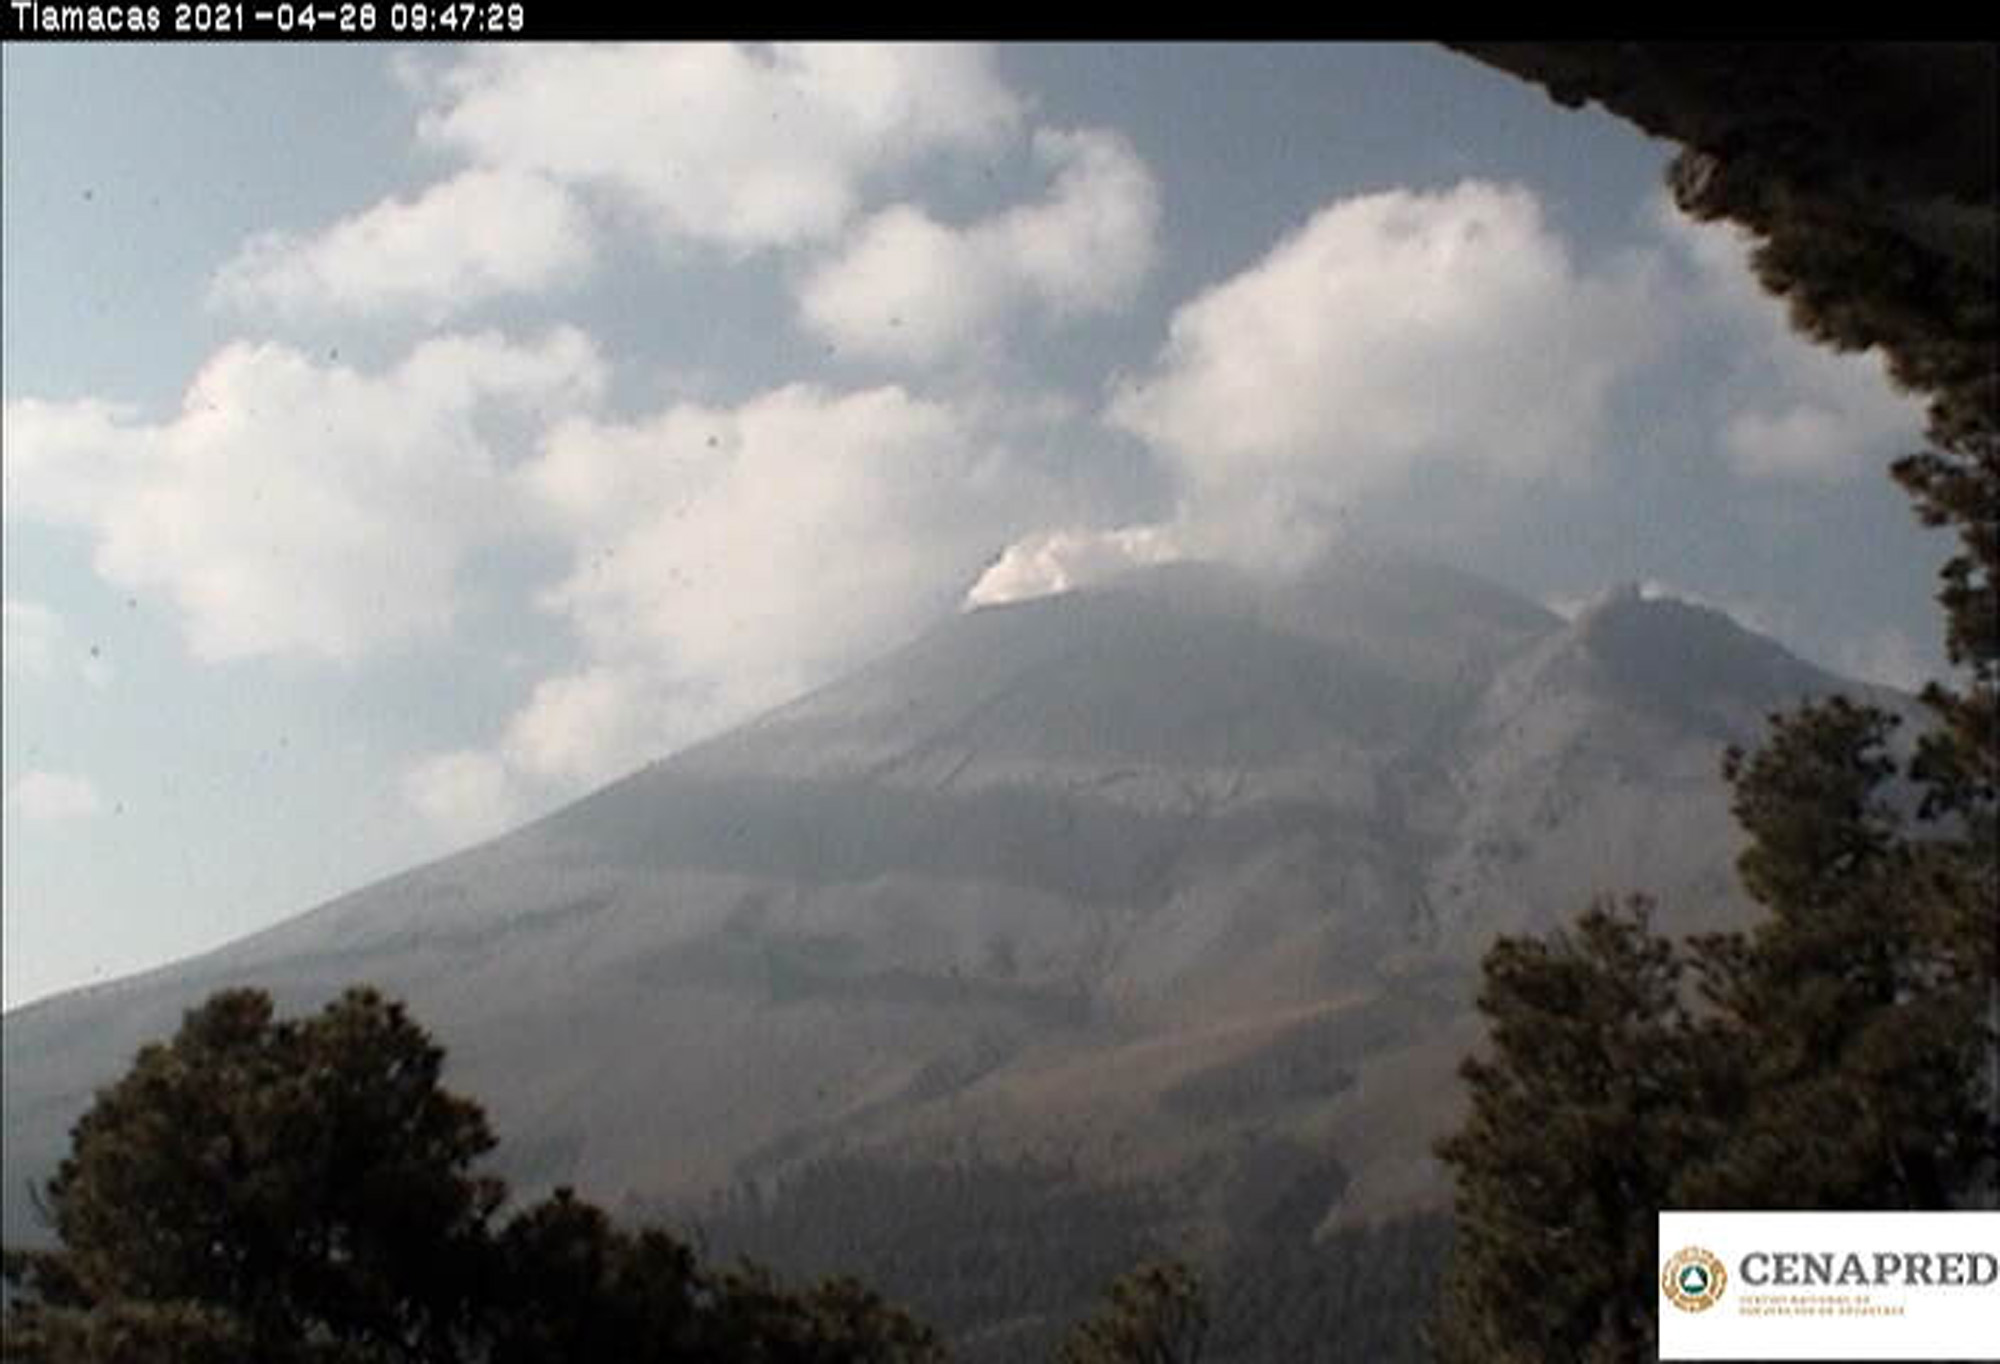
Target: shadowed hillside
<point>1151,875</point>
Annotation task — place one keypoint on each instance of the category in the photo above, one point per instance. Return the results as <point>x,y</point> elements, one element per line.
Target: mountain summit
<point>1151,875</point>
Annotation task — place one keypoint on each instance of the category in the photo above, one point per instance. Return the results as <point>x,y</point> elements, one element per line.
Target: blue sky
<point>400,442</point>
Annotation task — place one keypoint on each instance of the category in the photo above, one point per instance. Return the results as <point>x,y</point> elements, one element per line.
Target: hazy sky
<point>399,442</point>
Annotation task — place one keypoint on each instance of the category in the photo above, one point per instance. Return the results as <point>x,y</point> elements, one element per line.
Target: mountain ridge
<point>1076,864</point>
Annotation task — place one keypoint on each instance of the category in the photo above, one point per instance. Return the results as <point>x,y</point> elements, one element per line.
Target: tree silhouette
<point>266,1191</point>
<point>299,1189</point>
<point>1578,1128</point>
<point>1156,1314</point>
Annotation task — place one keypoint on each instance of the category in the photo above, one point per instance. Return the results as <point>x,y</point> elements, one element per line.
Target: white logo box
<point>1837,1285</point>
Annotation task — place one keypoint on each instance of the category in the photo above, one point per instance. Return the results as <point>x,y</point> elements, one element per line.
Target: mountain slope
<point>1181,870</point>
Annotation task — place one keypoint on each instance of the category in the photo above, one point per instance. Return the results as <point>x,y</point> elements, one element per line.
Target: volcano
<point>1153,874</point>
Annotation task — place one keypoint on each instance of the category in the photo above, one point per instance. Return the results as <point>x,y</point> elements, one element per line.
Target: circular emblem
<point>1693,1280</point>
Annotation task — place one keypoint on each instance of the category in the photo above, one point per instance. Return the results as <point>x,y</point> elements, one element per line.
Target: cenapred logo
<point>1693,1279</point>
<point>1828,1285</point>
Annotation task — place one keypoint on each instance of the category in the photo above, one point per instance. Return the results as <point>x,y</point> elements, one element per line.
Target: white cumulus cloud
<point>1791,408</point>
<point>724,558</point>
<point>1393,332</point>
<point>293,506</point>
<point>39,647</point>
<point>907,287</point>
<point>49,796</point>
<point>740,147</point>
<point>466,795</point>
<point>477,235</point>
<point>591,725</point>
<point>751,550</point>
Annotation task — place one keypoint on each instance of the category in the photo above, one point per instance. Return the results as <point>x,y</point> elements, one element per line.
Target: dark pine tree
<point>265,1191</point>
<point>1156,1314</point>
<point>289,1189</point>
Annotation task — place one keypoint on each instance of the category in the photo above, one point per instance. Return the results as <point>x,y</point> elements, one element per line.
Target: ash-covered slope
<point>1130,873</point>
